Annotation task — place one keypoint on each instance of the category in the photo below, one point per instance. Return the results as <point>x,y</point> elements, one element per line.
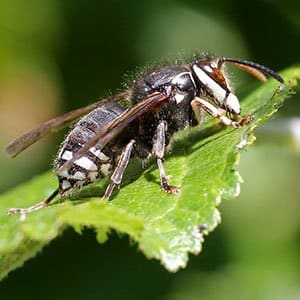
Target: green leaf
<point>166,227</point>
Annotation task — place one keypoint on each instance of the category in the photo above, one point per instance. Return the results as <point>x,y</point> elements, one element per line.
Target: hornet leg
<point>24,211</point>
<point>214,112</point>
<point>116,177</point>
<point>159,150</point>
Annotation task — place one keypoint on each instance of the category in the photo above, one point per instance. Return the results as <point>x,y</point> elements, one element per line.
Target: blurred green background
<point>57,55</point>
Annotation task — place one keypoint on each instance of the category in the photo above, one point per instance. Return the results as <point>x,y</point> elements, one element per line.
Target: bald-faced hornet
<point>165,101</point>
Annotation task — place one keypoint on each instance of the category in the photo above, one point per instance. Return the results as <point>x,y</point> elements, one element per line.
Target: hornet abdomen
<point>94,163</point>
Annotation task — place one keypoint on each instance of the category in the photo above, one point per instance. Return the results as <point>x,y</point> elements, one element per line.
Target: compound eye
<point>216,73</point>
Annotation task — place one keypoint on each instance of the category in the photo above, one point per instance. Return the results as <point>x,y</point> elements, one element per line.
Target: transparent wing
<point>54,125</point>
<point>109,132</point>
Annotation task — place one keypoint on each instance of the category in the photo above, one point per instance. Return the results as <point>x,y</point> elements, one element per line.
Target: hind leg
<point>24,211</point>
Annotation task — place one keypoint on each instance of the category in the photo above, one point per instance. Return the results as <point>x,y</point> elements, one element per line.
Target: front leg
<point>198,103</point>
<point>158,150</point>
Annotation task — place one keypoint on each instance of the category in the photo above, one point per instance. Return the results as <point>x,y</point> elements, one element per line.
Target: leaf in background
<point>165,227</point>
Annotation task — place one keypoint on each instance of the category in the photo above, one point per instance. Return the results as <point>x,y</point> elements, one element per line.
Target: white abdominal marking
<point>92,175</point>
<point>105,168</point>
<point>65,185</point>
<point>78,176</point>
<point>86,164</point>
<point>99,154</point>
<point>95,151</point>
<point>67,155</point>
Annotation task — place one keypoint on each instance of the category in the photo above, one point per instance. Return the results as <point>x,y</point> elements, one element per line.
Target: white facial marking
<point>78,176</point>
<point>218,92</point>
<point>208,69</point>
<point>215,63</point>
<point>86,163</point>
<point>67,155</point>
<point>233,103</point>
<point>105,168</point>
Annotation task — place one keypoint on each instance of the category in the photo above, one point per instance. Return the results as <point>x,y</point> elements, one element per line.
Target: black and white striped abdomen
<point>94,163</point>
